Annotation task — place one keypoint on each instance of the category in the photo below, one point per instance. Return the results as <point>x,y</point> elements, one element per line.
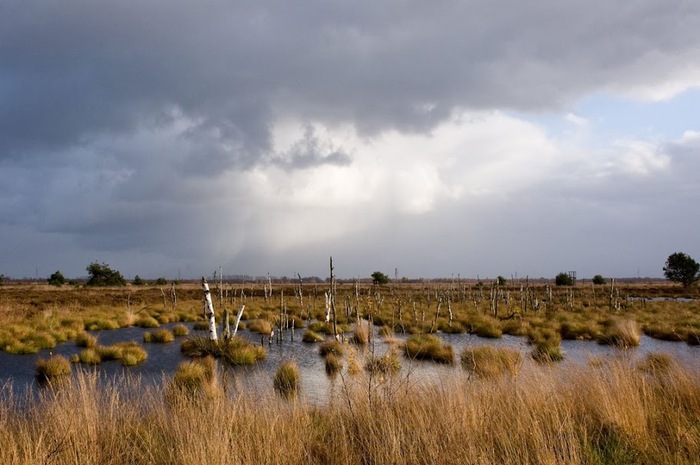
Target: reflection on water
<point>316,386</point>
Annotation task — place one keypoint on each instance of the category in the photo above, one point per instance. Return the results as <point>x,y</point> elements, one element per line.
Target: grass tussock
<point>429,347</point>
<point>387,364</point>
<point>201,326</point>
<point>331,347</point>
<point>489,328</point>
<point>128,353</point>
<point>360,333</point>
<point>547,345</point>
<point>287,379</point>
<point>84,339</point>
<point>194,378</point>
<point>236,351</point>
<point>490,362</point>
<point>147,321</point>
<point>612,414</point>
<point>263,327</point>
<point>312,337</point>
<point>620,333</point>
<point>180,330</point>
<point>52,369</point>
<point>333,364</point>
<point>161,336</point>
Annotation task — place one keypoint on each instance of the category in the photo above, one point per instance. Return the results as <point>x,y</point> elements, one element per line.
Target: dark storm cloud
<point>74,70</point>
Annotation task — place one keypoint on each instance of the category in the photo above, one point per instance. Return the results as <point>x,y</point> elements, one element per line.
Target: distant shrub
<point>57,279</point>
<point>563,279</point>
<point>103,275</point>
<point>598,279</point>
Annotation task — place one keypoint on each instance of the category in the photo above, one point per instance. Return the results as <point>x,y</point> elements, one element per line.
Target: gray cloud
<point>79,69</point>
<point>126,127</point>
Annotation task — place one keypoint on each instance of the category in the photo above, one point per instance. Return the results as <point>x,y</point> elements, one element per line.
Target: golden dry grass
<point>610,414</point>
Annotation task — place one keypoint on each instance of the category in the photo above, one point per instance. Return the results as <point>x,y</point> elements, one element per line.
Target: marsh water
<point>18,371</point>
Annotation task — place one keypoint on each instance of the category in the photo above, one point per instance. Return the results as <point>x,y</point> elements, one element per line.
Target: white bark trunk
<point>238,320</point>
<point>209,310</point>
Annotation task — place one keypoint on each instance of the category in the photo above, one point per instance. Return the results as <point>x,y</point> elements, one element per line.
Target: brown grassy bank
<point>608,414</point>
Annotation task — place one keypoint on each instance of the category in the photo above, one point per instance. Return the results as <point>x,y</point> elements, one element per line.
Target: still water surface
<point>163,359</point>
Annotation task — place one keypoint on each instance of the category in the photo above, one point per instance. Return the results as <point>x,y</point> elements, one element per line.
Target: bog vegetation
<point>486,412</point>
<point>608,412</point>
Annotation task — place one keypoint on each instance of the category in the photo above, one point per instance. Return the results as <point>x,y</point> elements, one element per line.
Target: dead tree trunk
<point>209,310</point>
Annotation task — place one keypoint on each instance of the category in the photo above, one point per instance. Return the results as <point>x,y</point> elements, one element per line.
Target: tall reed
<point>608,414</point>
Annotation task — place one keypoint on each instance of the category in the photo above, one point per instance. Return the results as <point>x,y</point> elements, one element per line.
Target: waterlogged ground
<point>18,371</point>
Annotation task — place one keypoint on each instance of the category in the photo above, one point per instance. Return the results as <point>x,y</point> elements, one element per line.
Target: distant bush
<point>138,281</point>
<point>56,279</point>
<point>379,278</point>
<point>103,275</point>
<point>598,279</point>
<point>161,281</point>
<point>563,279</point>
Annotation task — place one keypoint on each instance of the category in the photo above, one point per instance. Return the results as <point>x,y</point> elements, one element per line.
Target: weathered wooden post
<point>209,310</point>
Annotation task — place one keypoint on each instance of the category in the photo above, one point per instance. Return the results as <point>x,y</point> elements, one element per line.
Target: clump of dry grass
<point>260,326</point>
<point>180,330</point>
<point>331,347</point>
<point>161,336</point>
<point>656,362</point>
<point>101,324</point>
<point>387,364</point>
<point>429,347</point>
<point>201,326</point>
<point>547,345</point>
<point>311,337</point>
<point>487,328</point>
<point>490,362</point>
<point>287,378</point>
<point>84,339</point>
<point>147,321</point>
<point>133,354</point>
<point>52,369</point>
<point>235,351</point>
<point>620,333</point>
<point>333,364</point>
<point>197,377</point>
<point>89,356</point>
<point>360,333</point>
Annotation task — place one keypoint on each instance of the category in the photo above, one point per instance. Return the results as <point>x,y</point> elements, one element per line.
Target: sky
<point>448,138</point>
